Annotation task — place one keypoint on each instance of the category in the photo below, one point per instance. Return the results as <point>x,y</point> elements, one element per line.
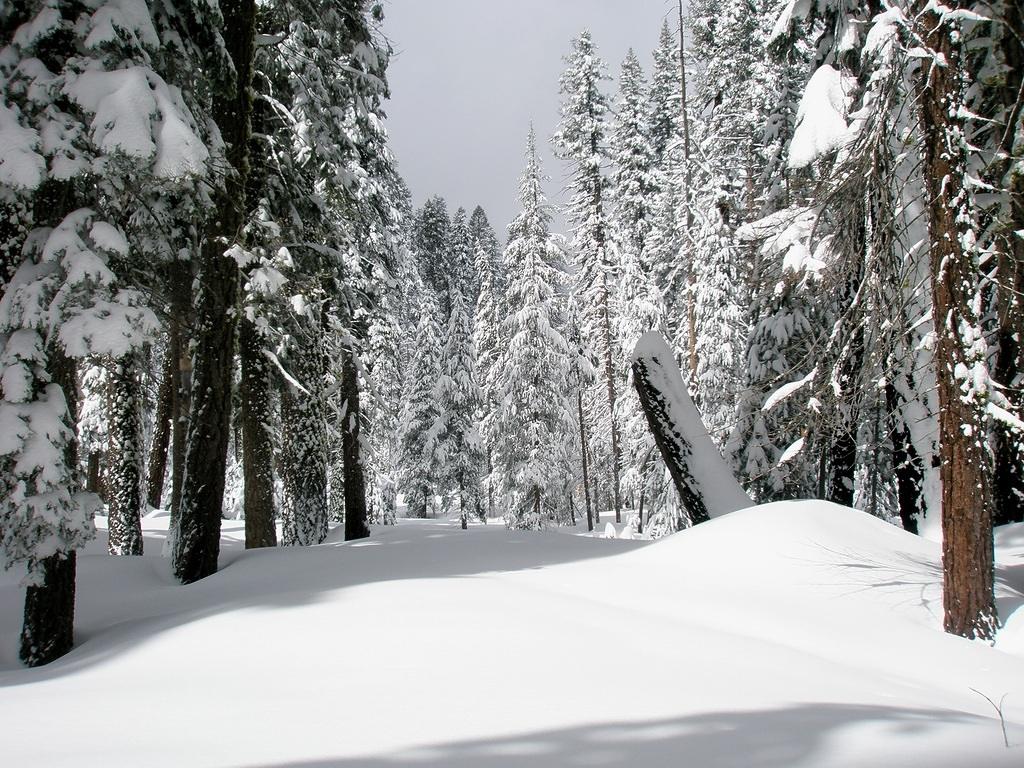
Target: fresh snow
<point>792,634</point>
<point>821,118</point>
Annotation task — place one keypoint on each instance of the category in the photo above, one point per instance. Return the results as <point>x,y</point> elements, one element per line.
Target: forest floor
<point>793,634</point>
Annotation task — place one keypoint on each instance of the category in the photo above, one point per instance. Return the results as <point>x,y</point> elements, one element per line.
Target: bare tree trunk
<point>124,457</point>
<point>197,534</point>
<point>966,493</point>
<point>585,458</point>
<point>162,424</point>
<point>609,373</point>
<point>1008,478</point>
<point>257,450</point>
<point>355,479</point>
<point>181,308</point>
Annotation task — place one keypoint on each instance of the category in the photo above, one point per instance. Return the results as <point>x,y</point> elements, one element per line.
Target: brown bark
<point>1008,476</point>
<point>197,534</point>
<point>966,493</point>
<point>257,450</point>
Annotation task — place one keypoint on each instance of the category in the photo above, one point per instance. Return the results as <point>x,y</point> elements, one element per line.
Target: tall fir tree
<point>534,417</point>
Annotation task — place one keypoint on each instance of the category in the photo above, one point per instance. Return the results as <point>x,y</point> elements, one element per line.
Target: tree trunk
<point>181,308</point>
<point>124,457</point>
<point>586,463</point>
<point>959,354</point>
<point>162,424</point>
<point>907,464</point>
<point>355,479</point>
<point>197,535</point>
<point>257,450</point>
<point>1008,478</point>
<point>609,373</point>
<point>48,629</point>
<point>93,483</point>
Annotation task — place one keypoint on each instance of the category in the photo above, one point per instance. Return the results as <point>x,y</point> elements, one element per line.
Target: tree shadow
<point>802,735</point>
<point>149,601</point>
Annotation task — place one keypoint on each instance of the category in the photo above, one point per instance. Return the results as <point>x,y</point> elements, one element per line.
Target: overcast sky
<point>469,75</point>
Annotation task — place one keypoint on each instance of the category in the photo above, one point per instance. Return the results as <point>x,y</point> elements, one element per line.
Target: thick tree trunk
<point>48,629</point>
<point>355,479</point>
<point>124,457</point>
<point>257,450</point>
<point>585,459</point>
<point>162,425</point>
<point>93,476</point>
<point>959,355</point>
<point>197,534</point>
<point>1008,477</point>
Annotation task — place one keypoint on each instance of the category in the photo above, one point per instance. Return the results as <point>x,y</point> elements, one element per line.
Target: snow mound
<point>789,635</point>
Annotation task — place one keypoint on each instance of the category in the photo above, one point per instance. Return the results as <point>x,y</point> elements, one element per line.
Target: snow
<point>821,118</point>
<point>21,166</point>
<point>793,634</point>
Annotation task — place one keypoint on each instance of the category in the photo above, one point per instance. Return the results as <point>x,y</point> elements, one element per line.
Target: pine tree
<point>459,402</point>
<point>580,141</point>
<point>69,268</point>
<point>420,414</point>
<point>534,416</point>
<point>430,242</point>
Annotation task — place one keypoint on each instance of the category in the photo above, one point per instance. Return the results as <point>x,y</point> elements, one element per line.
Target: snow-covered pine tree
<point>67,292</point>
<point>580,140</point>
<point>459,403</point>
<point>430,241</point>
<point>487,346</point>
<point>480,231</point>
<point>533,422</point>
<point>638,304</point>
<point>420,459</point>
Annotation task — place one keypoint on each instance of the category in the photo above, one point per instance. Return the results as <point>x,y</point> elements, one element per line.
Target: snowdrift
<point>792,634</point>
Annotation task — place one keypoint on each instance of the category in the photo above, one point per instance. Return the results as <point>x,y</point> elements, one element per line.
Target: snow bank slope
<point>798,634</point>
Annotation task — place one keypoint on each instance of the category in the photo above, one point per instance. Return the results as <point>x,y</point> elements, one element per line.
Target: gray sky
<point>469,75</point>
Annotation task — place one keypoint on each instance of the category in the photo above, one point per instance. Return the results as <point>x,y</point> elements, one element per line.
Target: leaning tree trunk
<point>257,449</point>
<point>355,476</point>
<point>967,550</point>
<point>124,457</point>
<point>705,484</point>
<point>197,533</point>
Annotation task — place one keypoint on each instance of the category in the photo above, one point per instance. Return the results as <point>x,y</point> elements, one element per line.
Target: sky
<point>468,76</point>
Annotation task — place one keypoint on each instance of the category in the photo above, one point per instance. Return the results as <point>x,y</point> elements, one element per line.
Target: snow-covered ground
<point>794,634</point>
